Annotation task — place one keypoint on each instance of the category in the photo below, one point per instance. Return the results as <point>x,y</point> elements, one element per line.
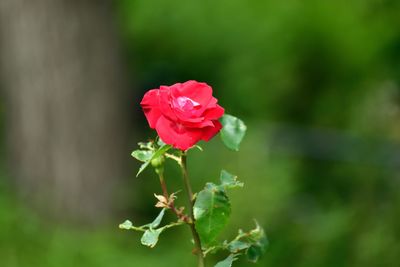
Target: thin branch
<point>178,212</point>
<point>189,192</point>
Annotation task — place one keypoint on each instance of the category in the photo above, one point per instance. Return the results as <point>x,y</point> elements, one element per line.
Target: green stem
<point>163,185</point>
<point>189,192</point>
<point>178,213</point>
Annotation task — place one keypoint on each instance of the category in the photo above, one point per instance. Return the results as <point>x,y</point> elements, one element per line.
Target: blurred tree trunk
<point>64,87</point>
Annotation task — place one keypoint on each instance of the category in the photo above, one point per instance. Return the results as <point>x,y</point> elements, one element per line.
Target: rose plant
<point>182,115</point>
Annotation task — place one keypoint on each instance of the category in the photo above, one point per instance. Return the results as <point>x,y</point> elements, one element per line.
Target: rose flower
<point>183,113</point>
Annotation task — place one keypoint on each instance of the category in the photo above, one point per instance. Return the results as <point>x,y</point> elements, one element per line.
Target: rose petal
<point>214,113</point>
<point>150,98</point>
<point>165,102</point>
<point>150,105</point>
<point>197,91</point>
<point>212,103</point>
<point>177,135</point>
<point>201,124</point>
<point>209,132</point>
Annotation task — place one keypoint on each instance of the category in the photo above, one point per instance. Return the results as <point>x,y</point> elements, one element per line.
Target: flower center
<point>185,103</point>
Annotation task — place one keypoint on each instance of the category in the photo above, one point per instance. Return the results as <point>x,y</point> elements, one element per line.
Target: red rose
<point>183,113</point>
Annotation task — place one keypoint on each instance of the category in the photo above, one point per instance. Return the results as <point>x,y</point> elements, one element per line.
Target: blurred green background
<point>317,83</point>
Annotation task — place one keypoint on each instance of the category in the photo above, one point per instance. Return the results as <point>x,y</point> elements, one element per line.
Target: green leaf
<point>229,180</point>
<point>254,253</point>
<point>150,237</point>
<point>142,167</point>
<point>211,212</point>
<point>226,262</point>
<point>259,244</point>
<point>198,147</point>
<point>157,220</point>
<point>160,142</point>
<point>146,145</point>
<point>236,246</point>
<point>232,132</point>
<point>126,225</point>
<point>148,156</point>
<point>142,155</point>
<point>161,151</point>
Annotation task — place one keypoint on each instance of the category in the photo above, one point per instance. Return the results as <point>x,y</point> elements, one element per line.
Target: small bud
<point>157,162</point>
<point>126,225</point>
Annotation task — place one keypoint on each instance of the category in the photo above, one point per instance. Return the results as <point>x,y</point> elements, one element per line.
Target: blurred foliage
<point>284,67</point>
<point>274,60</point>
<point>27,240</point>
